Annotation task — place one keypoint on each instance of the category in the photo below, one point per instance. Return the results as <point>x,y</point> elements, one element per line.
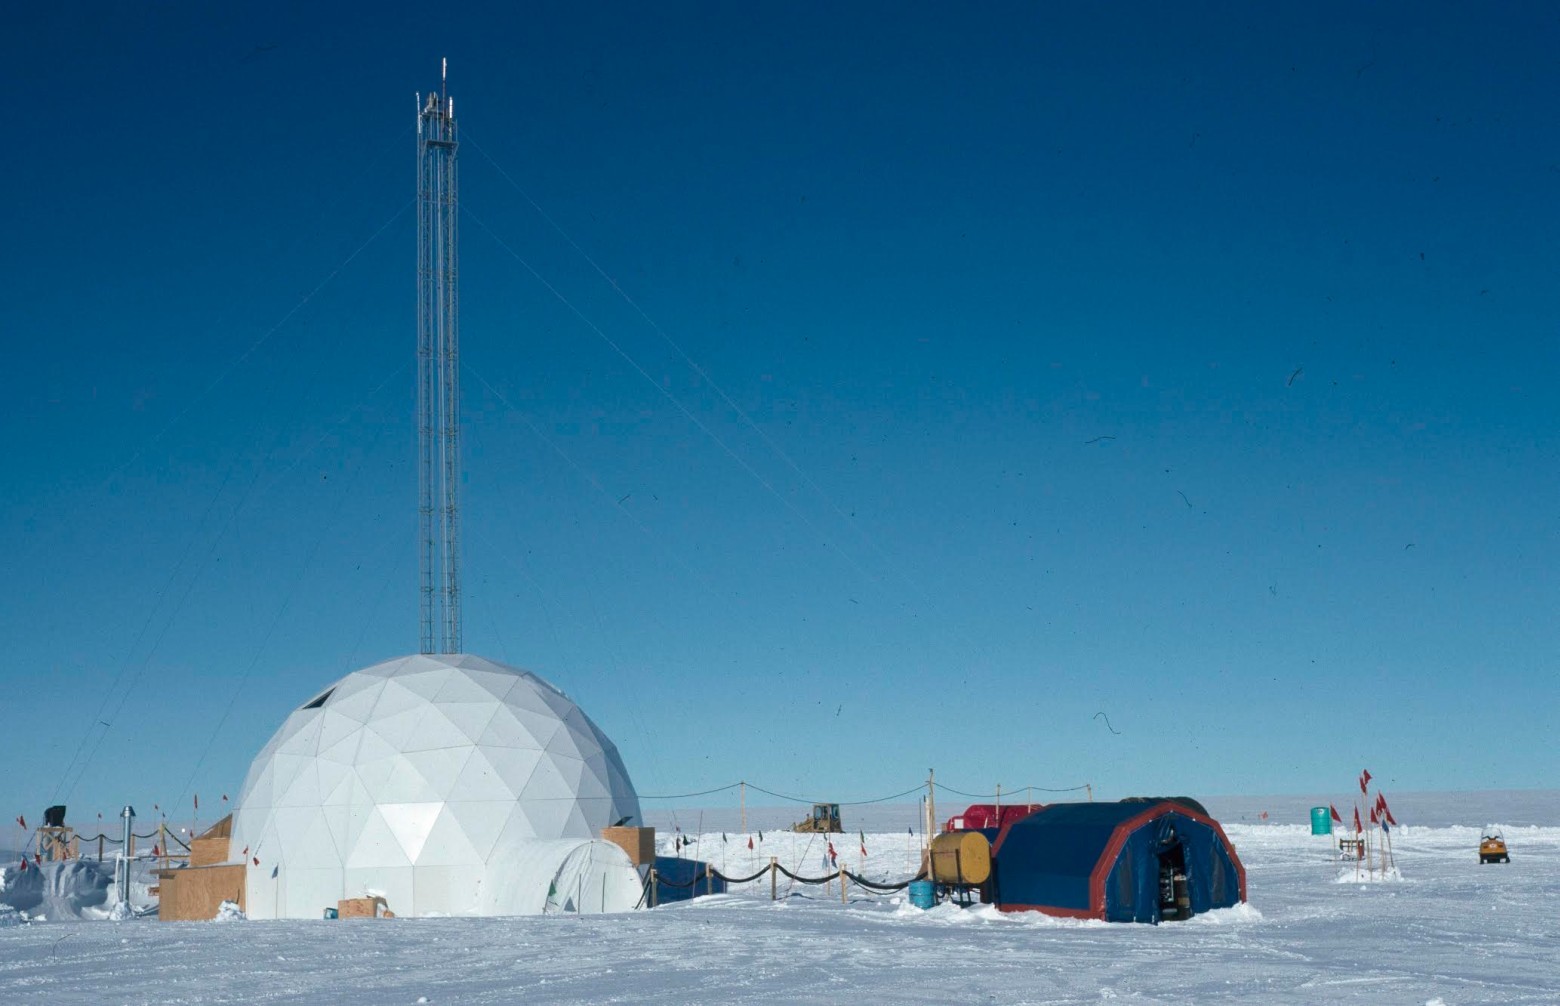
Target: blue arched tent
<point>1108,860</point>
<point>679,879</point>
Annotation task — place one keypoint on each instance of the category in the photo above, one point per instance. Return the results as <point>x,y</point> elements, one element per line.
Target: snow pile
<point>75,889</point>
<point>10,917</point>
<point>1362,875</point>
<point>229,911</point>
<point>1238,914</point>
<point>121,912</point>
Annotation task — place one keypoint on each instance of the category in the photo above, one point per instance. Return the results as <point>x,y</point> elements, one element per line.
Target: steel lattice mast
<point>438,372</point>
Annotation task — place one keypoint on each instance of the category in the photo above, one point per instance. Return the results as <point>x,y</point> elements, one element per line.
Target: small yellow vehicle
<point>1492,849</point>
<point>825,820</point>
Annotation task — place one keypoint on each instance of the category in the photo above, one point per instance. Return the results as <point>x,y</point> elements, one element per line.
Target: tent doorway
<point>1175,902</point>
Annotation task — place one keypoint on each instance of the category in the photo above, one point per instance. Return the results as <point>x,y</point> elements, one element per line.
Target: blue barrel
<point>923,894</point>
<point>1321,821</point>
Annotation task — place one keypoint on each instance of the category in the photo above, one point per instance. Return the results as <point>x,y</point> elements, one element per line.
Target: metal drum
<point>961,858</point>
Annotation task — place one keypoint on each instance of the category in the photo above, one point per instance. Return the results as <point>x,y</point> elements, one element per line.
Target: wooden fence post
<point>774,864</point>
<point>842,887</point>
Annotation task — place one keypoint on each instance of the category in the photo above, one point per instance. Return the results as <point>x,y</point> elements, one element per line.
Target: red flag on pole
<point>21,822</point>
<point>197,801</point>
<point>24,864</point>
<point>1364,780</point>
<point>1357,828</point>
<point>750,843</point>
<point>1335,815</point>
<point>1387,813</point>
<point>1373,818</point>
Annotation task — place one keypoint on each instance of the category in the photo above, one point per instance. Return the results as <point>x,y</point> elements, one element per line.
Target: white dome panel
<point>479,781</point>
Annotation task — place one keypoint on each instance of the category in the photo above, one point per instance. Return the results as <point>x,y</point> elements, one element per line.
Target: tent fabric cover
<point>563,875</point>
<point>1100,861</point>
<point>681,879</point>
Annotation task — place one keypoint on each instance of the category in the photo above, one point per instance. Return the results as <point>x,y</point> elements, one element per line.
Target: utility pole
<point>931,808</point>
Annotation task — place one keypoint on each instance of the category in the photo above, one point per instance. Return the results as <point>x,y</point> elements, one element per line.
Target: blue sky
<point>1192,366</point>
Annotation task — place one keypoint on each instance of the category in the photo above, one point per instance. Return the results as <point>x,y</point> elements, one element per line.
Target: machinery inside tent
<point>1121,862</point>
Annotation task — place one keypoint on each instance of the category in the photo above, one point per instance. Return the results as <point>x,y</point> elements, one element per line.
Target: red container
<point>985,815</point>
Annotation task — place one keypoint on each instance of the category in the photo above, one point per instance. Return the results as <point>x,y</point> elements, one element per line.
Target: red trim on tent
<point>1118,838</point>
<point>1061,913</point>
<point>1229,847</point>
<point>1002,834</point>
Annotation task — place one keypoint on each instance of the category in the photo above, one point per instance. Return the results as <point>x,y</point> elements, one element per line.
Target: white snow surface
<point>1446,930</point>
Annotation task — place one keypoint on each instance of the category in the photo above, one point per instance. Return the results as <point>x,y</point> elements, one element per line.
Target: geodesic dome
<point>448,784</point>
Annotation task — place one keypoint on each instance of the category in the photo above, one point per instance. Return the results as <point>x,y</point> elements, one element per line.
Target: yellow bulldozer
<point>825,820</point>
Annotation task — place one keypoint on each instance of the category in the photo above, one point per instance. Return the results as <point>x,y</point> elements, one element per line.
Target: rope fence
<point>654,879</point>
<point>925,791</point>
<point>116,840</point>
<point>52,846</point>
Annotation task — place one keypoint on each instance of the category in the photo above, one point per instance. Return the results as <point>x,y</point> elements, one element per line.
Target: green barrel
<point>1321,821</point>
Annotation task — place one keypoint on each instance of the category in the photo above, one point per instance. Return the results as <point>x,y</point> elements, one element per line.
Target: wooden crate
<point>211,846</point>
<point>195,894</point>
<point>639,843</point>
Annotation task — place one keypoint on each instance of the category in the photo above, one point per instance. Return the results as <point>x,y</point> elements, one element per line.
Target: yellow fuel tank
<point>961,857</point>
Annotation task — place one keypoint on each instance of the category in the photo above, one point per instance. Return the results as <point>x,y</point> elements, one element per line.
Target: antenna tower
<point>438,372</point>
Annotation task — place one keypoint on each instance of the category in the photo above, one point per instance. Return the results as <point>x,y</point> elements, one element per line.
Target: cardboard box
<point>363,908</point>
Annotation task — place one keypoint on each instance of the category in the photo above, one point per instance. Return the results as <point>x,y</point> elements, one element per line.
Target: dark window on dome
<point>321,700</point>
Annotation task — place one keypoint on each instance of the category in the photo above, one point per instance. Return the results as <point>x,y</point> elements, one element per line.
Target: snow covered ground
<point>1449,932</point>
